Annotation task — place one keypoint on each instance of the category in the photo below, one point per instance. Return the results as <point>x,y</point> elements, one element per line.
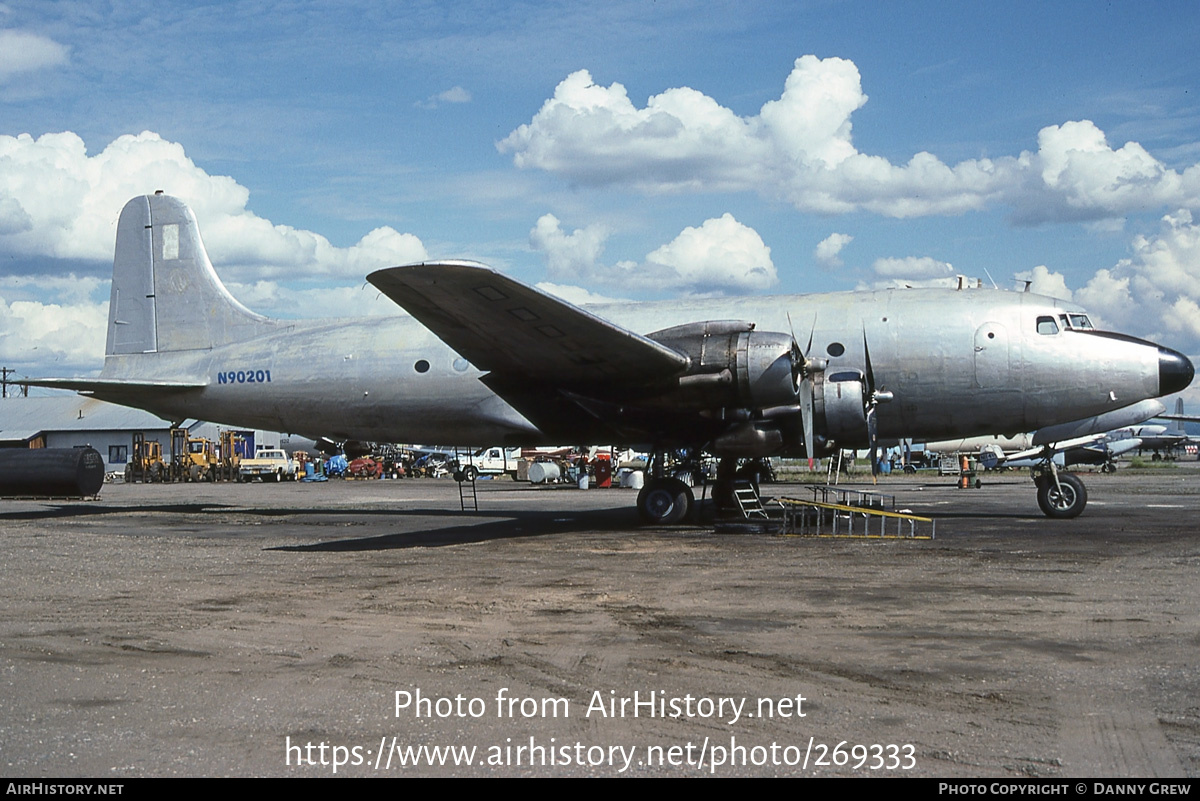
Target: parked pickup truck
<point>269,465</point>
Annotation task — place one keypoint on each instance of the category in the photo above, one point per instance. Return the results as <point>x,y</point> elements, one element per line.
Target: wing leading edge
<point>516,331</point>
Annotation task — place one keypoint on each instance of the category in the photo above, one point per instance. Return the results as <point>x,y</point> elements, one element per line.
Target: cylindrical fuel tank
<point>542,472</point>
<point>51,471</point>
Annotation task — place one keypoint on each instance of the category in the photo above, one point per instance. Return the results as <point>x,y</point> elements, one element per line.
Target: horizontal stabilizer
<point>110,385</point>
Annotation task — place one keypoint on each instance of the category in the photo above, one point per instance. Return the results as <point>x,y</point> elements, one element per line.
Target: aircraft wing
<point>518,332</point>
<point>1062,445</point>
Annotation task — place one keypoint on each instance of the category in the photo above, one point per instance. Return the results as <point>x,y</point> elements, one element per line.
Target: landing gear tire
<point>1064,501</point>
<point>665,501</point>
<point>1108,468</point>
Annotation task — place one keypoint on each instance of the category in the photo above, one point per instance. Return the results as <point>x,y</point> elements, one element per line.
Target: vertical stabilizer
<point>1176,426</point>
<point>165,294</point>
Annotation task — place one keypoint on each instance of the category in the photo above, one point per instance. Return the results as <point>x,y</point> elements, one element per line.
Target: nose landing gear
<point>1060,495</point>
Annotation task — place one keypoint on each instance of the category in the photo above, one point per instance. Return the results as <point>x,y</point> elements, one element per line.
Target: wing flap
<point>505,327</point>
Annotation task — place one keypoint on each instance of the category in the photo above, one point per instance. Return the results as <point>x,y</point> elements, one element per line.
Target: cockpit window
<point>1046,325</point>
<point>1076,322</point>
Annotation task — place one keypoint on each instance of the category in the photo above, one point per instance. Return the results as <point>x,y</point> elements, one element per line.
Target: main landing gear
<point>1060,495</point>
<point>665,500</point>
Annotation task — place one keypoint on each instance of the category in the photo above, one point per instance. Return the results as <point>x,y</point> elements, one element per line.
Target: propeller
<point>874,398</point>
<point>805,367</point>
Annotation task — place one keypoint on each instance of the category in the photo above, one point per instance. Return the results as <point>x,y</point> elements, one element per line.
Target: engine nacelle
<point>841,408</point>
<point>734,366</point>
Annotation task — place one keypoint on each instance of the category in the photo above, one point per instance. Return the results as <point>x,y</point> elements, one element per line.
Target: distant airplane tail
<point>165,294</point>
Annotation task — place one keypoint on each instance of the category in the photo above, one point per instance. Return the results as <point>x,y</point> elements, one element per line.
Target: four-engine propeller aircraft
<point>487,359</point>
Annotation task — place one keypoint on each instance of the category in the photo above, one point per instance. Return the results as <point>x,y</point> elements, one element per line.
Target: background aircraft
<point>1167,441</point>
<point>1092,441</point>
<point>490,360</point>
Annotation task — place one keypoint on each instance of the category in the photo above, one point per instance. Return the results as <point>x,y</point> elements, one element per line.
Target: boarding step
<point>466,481</point>
<point>748,500</point>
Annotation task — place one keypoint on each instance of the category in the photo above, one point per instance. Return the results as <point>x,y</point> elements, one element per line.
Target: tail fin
<point>165,294</point>
<point>1176,426</point>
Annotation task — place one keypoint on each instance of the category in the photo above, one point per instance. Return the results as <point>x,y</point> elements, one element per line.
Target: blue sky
<point>626,150</point>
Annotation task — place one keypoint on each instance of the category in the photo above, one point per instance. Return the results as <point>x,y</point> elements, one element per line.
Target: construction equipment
<point>230,456</point>
<point>192,458</point>
<point>145,461</point>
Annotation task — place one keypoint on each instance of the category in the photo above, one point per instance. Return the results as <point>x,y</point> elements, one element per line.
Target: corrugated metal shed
<point>23,418</point>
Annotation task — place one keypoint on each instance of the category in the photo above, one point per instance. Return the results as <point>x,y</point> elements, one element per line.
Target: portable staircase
<point>842,512</point>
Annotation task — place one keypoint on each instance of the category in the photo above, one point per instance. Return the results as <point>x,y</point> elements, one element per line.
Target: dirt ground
<point>351,627</point>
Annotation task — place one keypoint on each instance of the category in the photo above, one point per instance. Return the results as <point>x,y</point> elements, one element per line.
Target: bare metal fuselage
<point>958,363</point>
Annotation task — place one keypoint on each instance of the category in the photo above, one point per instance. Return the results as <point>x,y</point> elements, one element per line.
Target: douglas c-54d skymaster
<point>485,359</point>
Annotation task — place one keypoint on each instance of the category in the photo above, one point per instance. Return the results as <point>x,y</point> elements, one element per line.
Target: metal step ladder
<point>466,487</point>
<point>748,500</point>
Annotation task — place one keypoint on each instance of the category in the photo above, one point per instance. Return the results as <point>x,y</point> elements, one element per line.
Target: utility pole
<point>4,374</point>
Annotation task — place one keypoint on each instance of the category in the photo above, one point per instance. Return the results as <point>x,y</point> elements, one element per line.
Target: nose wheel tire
<point>664,501</point>
<point>1064,500</point>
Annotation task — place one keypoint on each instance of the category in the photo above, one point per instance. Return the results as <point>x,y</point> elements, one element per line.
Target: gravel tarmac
<point>352,626</point>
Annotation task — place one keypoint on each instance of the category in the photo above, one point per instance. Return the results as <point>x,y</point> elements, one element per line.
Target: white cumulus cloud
<point>828,250</point>
<point>576,295</point>
<point>573,255</point>
<point>721,255</point>
<point>56,200</point>
<point>1044,282</point>
<point>800,148</point>
<point>34,334</point>
<point>1155,292</point>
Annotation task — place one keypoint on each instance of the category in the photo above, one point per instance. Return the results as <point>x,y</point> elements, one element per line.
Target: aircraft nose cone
<point>1175,371</point>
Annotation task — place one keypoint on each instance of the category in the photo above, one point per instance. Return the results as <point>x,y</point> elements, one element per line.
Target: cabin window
<point>835,349</point>
<point>421,366</point>
<point>1046,325</point>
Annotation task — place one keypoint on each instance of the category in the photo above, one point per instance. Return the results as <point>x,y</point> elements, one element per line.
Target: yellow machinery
<point>145,462</point>
<point>192,458</point>
<point>230,459</point>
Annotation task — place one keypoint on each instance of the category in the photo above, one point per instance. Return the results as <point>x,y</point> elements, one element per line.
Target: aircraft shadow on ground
<point>88,509</point>
<point>500,525</point>
<point>514,525</point>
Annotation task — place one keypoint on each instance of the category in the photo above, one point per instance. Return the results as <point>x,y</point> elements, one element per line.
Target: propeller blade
<point>873,439</point>
<point>806,418</point>
<point>867,356</point>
